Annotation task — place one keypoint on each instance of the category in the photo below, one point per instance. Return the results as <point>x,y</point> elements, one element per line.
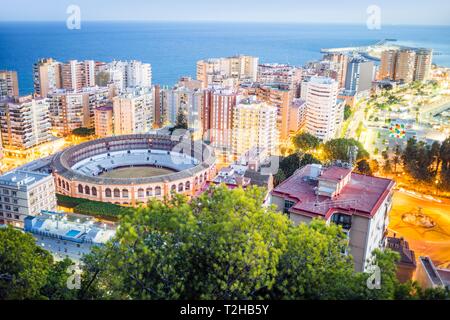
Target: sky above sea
<point>174,47</point>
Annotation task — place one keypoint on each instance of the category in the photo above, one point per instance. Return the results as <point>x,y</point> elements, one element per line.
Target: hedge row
<point>91,208</point>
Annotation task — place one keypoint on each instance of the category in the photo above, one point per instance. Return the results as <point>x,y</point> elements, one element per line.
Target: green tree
<point>387,168</point>
<point>27,271</point>
<point>306,142</point>
<point>363,167</point>
<point>83,132</point>
<point>313,266</point>
<point>374,165</point>
<point>55,287</point>
<point>347,112</point>
<point>222,245</point>
<point>24,266</point>
<point>291,163</point>
<point>182,122</point>
<point>338,149</point>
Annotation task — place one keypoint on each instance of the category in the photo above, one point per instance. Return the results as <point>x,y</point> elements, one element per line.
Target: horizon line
<point>229,21</point>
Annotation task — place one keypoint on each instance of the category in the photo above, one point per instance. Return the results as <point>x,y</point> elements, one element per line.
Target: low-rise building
<point>25,193</point>
<point>359,203</point>
<point>68,235</point>
<point>430,276</point>
<point>407,264</point>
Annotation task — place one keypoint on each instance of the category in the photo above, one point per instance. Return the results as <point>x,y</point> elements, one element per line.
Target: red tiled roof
<point>362,195</point>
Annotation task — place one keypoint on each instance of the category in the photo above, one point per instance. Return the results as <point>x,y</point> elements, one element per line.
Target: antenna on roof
<point>352,155</point>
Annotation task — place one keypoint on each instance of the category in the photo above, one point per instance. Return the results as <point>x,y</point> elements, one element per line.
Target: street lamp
<point>437,186</point>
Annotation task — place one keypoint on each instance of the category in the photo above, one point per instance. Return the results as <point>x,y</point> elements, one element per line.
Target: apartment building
<point>128,74</point>
<point>274,73</point>
<point>9,85</point>
<point>133,111</point>
<point>72,109</point>
<point>228,71</point>
<point>324,113</point>
<point>254,126</point>
<point>24,123</point>
<point>104,123</point>
<point>25,193</point>
<point>217,118</point>
<point>46,76</point>
<point>280,96</point>
<point>359,75</point>
<point>340,64</point>
<point>78,74</point>
<point>424,58</point>
<point>360,204</point>
<point>406,65</point>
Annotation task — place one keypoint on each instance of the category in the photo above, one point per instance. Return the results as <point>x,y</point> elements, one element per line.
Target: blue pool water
<point>72,233</point>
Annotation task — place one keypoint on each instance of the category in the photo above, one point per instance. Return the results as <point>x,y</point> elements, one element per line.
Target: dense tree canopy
<point>83,132</point>
<point>27,271</point>
<point>427,163</point>
<point>222,245</point>
<point>289,164</point>
<point>306,142</point>
<point>338,149</point>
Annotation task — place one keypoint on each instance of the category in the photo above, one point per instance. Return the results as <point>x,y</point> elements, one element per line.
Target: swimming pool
<point>72,233</point>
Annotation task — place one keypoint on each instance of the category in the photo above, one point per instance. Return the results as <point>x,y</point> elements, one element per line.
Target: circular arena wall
<point>84,171</point>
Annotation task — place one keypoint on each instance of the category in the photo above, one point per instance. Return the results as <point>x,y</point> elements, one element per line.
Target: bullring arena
<point>131,169</point>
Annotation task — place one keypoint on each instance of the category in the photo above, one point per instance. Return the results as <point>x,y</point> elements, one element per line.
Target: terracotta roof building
<point>359,203</point>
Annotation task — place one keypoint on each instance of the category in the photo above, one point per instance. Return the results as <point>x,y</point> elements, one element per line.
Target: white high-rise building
<point>129,74</point>
<point>24,123</point>
<point>324,113</point>
<point>254,126</point>
<point>133,111</point>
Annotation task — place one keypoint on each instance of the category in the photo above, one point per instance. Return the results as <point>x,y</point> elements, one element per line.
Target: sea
<point>174,47</point>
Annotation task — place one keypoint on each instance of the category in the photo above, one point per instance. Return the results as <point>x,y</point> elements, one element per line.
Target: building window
<point>288,205</point>
<point>116,193</point>
<point>180,187</point>
<point>173,189</point>
<point>108,192</point>
<point>87,190</point>
<point>124,193</point>
<point>141,193</point>
<point>149,192</point>
<point>16,217</point>
<point>187,185</point>
<point>80,188</point>
<point>343,220</point>
<point>94,191</point>
<point>157,191</point>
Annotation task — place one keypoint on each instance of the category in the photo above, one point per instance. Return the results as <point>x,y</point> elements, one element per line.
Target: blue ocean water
<point>173,48</point>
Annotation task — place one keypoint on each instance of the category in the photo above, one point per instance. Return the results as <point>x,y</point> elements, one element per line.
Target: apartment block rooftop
<point>319,191</point>
<point>21,179</point>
